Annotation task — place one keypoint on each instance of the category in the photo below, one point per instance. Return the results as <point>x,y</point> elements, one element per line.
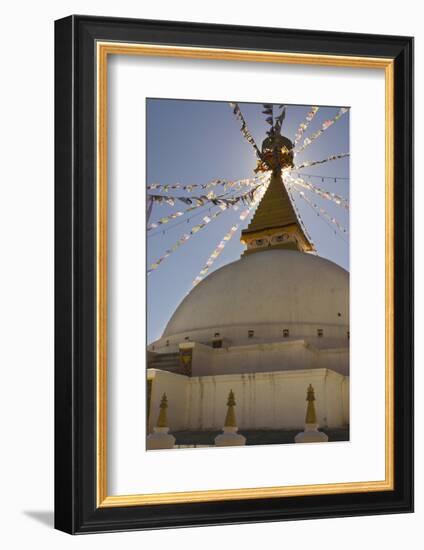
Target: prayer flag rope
<point>184,238</point>
<point>166,219</point>
<point>304,125</point>
<point>189,187</point>
<point>325,125</point>
<point>204,199</point>
<point>149,208</point>
<point>227,237</point>
<point>170,201</point>
<point>321,211</point>
<point>320,177</point>
<point>239,184</point>
<point>257,194</point>
<point>221,201</point>
<point>215,254</point>
<point>302,223</point>
<point>244,129</point>
<point>321,192</point>
<point>280,119</point>
<point>309,163</point>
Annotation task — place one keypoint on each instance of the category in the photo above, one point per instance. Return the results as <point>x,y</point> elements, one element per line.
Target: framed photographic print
<point>234,274</point>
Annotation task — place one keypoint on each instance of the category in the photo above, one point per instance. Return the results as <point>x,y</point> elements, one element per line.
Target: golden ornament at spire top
<point>277,153</point>
<point>275,223</point>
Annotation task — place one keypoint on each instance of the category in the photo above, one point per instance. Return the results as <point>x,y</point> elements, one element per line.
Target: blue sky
<point>192,142</point>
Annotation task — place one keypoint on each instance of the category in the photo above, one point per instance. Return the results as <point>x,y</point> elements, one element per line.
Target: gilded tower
<point>275,223</point>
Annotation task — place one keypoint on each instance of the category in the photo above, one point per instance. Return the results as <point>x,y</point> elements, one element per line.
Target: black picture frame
<point>76,510</point>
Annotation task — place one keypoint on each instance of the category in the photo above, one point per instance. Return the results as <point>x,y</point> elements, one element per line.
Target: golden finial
<point>230,419</point>
<point>163,417</point>
<point>311,415</point>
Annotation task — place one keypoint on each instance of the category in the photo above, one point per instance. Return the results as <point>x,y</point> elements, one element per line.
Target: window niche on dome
<point>217,340</point>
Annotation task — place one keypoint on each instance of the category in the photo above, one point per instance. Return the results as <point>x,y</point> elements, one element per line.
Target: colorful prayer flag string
<point>325,125</point>
<point>185,187</point>
<point>321,192</point>
<point>309,163</point>
<point>321,211</point>
<point>184,238</point>
<point>149,209</point>
<point>244,129</point>
<point>239,184</point>
<point>189,187</point>
<point>320,177</point>
<point>227,237</point>
<point>166,219</point>
<point>257,193</point>
<point>204,199</point>
<point>221,201</point>
<point>304,125</point>
<point>302,223</point>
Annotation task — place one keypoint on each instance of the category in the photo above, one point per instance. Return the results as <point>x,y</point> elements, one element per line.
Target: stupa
<point>267,326</point>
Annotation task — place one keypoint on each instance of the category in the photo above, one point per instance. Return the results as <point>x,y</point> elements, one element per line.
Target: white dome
<point>267,292</point>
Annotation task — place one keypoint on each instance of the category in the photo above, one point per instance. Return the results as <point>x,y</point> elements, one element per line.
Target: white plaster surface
<point>266,292</point>
<point>267,357</point>
<point>273,400</point>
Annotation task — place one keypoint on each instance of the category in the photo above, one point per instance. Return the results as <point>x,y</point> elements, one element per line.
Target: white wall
<point>277,356</point>
<point>273,400</point>
<point>176,388</point>
<point>26,218</point>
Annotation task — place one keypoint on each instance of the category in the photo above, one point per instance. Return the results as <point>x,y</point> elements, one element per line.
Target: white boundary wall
<point>270,400</point>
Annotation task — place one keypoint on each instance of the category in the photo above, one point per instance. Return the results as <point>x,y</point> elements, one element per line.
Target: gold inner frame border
<point>103,50</point>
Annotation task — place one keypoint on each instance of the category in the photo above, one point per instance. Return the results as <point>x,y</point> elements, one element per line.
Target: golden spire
<point>230,419</point>
<point>162,421</point>
<point>275,223</point>
<point>311,415</point>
